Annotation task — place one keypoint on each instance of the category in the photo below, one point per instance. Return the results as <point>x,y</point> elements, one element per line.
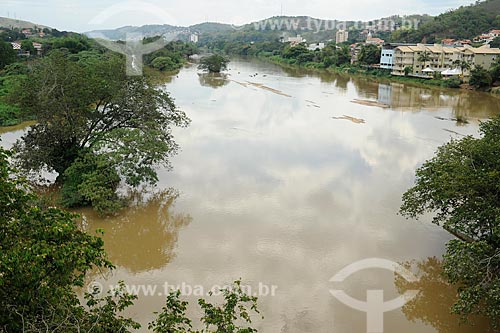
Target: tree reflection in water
<point>213,80</point>
<point>435,299</point>
<point>149,227</point>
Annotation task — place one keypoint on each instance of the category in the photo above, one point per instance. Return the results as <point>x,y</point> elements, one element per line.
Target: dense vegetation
<point>95,126</point>
<point>465,22</point>
<point>214,63</point>
<point>461,186</point>
<point>78,48</point>
<point>45,256</point>
<point>170,58</point>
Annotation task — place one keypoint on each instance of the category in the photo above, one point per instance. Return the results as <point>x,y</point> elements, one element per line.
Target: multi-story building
<point>295,40</point>
<point>387,57</point>
<point>423,60</point>
<point>341,36</point>
<point>193,38</point>
<point>316,46</point>
<point>485,56</point>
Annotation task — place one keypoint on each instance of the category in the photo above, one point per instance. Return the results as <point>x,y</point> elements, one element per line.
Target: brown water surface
<point>282,180</point>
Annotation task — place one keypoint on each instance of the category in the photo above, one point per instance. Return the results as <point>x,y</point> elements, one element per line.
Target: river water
<point>283,180</point>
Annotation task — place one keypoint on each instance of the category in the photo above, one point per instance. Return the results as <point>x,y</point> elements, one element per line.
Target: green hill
<point>18,24</point>
<point>465,22</point>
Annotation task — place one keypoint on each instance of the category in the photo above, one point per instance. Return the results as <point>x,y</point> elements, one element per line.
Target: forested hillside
<point>465,22</point>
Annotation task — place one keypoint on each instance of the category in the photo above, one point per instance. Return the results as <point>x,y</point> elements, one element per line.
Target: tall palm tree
<point>424,57</point>
<point>462,64</point>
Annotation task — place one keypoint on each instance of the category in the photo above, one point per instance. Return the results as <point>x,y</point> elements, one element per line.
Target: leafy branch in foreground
<point>461,185</point>
<point>43,258</point>
<point>237,308</point>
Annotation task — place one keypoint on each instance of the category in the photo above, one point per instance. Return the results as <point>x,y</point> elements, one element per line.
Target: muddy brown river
<point>284,179</point>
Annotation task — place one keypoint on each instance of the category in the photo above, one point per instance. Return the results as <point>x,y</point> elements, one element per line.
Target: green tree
<point>7,54</point>
<point>480,77</point>
<point>223,318</point>
<point>461,185</point>
<point>462,64</point>
<point>424,57</point>
<point>495,72</point>
<point>27,46</point>
<point>495,43</point>
<point>293,52</point>
<point>43,257</point>
<point>214,63</point>
<point>92,107</point>
<point>342,56</point>
<point>164,64</point>
<point>408,70</point>
<point>369,54</point>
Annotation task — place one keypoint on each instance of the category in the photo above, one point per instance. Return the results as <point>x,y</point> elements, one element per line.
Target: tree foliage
<point>164,64</point>
<point>91,107</point>
<point>461,185</point>
<point>369,54</point>
<point>7,54</point>
<point>215,63</point>
<point>480,77</point>
<point>464,22</point>
<point>224,318</point>
<point>43,257</point>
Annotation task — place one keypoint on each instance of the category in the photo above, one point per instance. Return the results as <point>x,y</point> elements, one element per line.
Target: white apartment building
<point>341,36</point>
<point>440,58</point>
<point>193,38</point>
<point>387,57</point>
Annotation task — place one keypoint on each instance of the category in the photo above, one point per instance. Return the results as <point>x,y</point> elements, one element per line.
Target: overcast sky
<point>81,16</point>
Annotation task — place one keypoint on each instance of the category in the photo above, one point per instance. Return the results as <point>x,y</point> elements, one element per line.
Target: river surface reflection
<point>273,189</point>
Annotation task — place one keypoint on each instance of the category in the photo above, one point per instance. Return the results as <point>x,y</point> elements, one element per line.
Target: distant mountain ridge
<point>19,24</point>
<point>305,25</point>
<point>155,30</point>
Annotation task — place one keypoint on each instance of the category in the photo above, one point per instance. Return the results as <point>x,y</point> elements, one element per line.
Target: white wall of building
<point>387,59</point>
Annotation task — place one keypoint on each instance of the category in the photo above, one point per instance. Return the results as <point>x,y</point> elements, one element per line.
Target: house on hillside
<point>27,33</point>
<point>294,41</point>
<point>373,40</point>
<point>193,38</point>
<point>39,48</point>
<point>494,33</point>
<point>448,42</point>
<point>19,50</point>
<point>316,46</point>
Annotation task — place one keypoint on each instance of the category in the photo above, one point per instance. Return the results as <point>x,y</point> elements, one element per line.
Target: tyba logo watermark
<point>374,307</point>
<point>133,46</point>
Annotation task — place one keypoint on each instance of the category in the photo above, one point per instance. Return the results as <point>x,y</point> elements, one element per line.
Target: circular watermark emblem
<point>374,307</point>
<point>133,46</point>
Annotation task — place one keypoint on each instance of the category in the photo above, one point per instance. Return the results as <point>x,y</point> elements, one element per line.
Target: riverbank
<point>379,75</point>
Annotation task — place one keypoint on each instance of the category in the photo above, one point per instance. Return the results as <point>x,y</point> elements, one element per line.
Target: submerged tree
<point>90,112</point>
<point>461,184</point>
<point>214,63</point>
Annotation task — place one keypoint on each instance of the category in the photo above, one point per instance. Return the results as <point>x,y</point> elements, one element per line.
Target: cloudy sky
<point>88,15</point>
